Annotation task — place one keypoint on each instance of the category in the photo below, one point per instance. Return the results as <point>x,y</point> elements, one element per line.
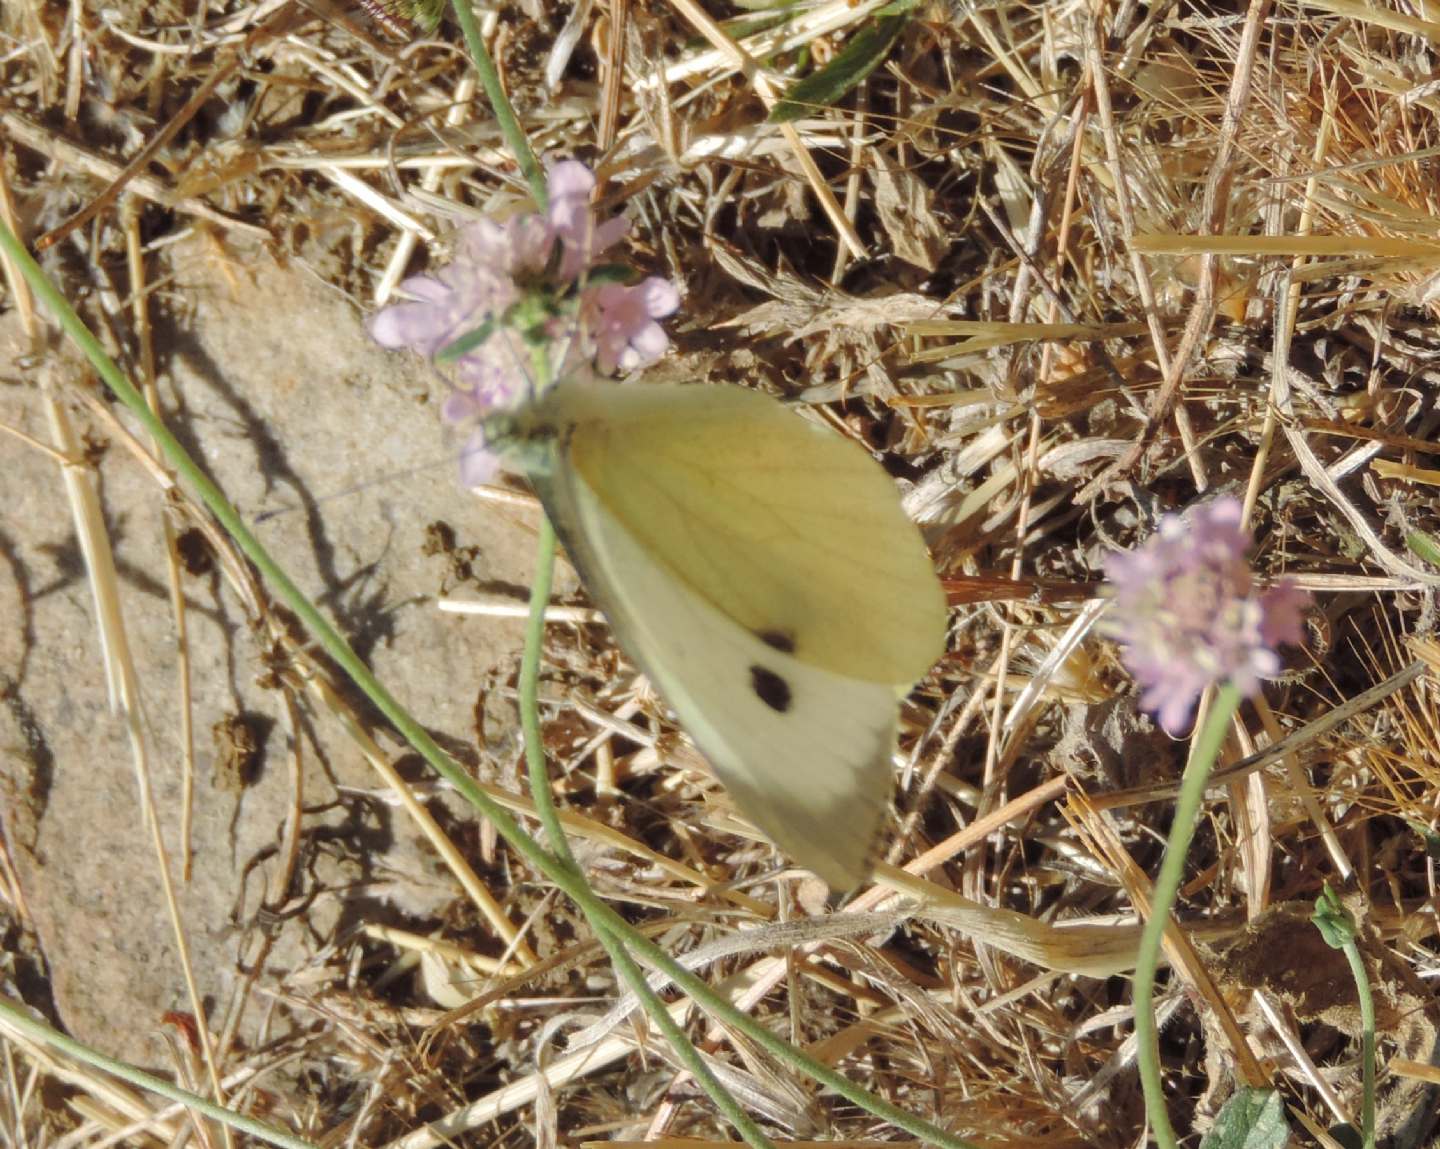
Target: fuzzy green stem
<point>1367,1025</point>
<point>515,138</point>
<point>1167,886</point>
<point>540,795</point>
<point>600,914</point>
<point>1337,927</point>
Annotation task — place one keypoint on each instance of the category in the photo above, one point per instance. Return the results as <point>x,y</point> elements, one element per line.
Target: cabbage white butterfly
<point>760,570</point>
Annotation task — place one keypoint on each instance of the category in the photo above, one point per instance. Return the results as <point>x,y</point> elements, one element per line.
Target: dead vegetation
<point>1065,268</point>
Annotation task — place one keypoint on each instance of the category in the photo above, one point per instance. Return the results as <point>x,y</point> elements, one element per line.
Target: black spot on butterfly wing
<point>770,688</point>
<point>781,640</point>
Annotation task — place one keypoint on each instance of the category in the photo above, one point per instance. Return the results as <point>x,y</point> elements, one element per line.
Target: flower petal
<point>661,297</point>
<point>1188,614</point>
<point>479,464</point>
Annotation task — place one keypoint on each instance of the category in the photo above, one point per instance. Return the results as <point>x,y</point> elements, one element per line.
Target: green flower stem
<point>1167,887</point>
<point>600,914</point>
<point>1367,1024</point>
<point>1337,927</point>
<point>529,686</point>
<point>544,801</point>
<point>17,1018</point>
<point>529,692</point>
<point>515,138</point>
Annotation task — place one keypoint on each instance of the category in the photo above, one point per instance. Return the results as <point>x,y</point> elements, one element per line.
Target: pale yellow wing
<point>803,752</point>
<point>780,524</point>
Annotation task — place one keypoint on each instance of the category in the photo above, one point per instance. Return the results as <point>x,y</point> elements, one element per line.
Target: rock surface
<point>272,383</point>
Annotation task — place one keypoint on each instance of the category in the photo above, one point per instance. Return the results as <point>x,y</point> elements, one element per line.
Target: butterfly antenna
<point>346,492</point>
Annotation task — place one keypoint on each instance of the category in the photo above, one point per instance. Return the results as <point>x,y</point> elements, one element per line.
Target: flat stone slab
<point>273,384</point>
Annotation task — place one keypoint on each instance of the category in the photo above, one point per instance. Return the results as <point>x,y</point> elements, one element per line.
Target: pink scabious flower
<point>517,288</point>
<point>492,262</point>
<point>620,320</point>
<point>1188,613</point>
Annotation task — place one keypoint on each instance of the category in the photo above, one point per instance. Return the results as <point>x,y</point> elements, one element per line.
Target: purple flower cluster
<point>1188,613</point>
<point>515,290</point>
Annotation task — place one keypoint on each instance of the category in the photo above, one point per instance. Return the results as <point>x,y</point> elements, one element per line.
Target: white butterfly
<point>760,570</point>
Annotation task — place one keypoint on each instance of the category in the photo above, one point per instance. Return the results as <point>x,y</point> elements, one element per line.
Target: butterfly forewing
<point>780,524</point>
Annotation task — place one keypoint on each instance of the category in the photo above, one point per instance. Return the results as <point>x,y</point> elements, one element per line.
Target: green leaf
<point>865,52</point>
<point>1252,1119</point>
<point>1431,840</point>
<point>458,348</point>
<point>1333,920</point>
<point>1424,546</point>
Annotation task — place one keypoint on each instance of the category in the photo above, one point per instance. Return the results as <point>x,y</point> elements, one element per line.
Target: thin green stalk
<point>684,1048</point>
<point>17,1018</point>
<point>1167,886</point>
<point>515,138</point>
<point>529,700</point>
<point>540,794</point>
<point>600,914</point>
<point>1367,1026</point>
<point>529,692</point>
<point>535,764</point>
<point>1337,927</point>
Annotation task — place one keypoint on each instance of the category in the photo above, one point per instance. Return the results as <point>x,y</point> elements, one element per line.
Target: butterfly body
<point>760,570</point>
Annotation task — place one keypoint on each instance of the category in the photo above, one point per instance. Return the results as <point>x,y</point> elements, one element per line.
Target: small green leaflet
<point>1333,920</point>
<point>1424,546</point>
<point>865,52</point>
<point>1252,1119</point>
<point>403,18</point>
<point>459,348</point>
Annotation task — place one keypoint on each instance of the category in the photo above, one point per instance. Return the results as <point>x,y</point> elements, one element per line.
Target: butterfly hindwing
<point>775,520</point>
<point>803,752</point>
